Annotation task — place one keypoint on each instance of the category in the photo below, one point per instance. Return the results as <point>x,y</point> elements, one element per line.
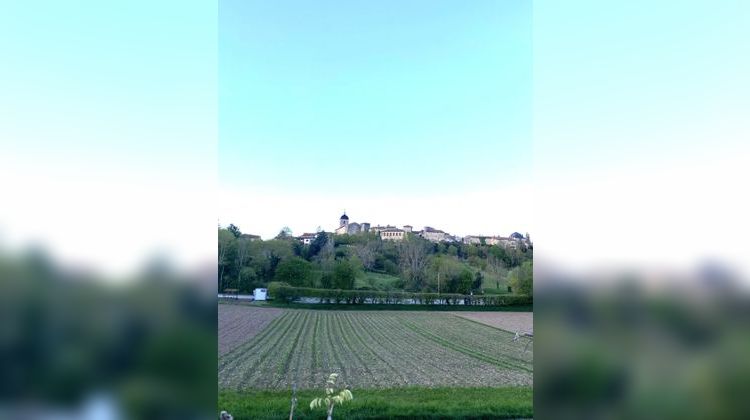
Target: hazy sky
<point>398,112</point>
<point>641,132</point>
<point>107,128</point>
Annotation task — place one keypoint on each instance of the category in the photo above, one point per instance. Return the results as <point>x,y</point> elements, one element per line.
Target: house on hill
<point>513,241</point>
<point>434,235</point>
<point>471,239</point>
<point>307,238</point>
<point>392,234</point>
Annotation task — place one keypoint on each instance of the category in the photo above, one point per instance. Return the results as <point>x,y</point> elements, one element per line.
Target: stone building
<point>513,241</point>
<point>434,235</point>
<point>392,234</point>
<point>350,228</point>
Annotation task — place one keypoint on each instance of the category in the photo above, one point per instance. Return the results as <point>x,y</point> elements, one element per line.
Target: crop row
<point>240,323</point>
<point>375,350</point>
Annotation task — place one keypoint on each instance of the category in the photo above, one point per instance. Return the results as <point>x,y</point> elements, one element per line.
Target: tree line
<point>290,294</point>
<point>336,261</point>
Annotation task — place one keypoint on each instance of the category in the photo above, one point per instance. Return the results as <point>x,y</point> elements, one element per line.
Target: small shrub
<point>331,399</point>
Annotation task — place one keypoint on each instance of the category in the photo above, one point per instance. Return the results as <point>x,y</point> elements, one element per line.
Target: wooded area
<point>353,262</point>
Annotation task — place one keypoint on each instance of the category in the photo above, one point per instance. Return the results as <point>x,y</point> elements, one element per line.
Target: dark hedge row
<point>286,293</point>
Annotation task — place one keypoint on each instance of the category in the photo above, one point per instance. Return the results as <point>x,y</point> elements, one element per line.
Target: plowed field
<point>376,349</point>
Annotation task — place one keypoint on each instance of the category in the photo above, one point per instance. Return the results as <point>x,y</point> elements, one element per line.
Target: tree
<point>234,230</point>
<point>463,283</point>
<point>295,271</point>
<point>452,250</point>
<point>496,263</point>
<point>226,243</point>
<point>243,250</point>
<point>440,271</point>
<point>298,248</point>
<point>344,274</point>
<point>522,279</point>
<point>367,253</point>
<point>326,281</point>
<point>249,279</point>
<point>327,251</point>
<point>477,284</point>
<point>317,244</point>
<point>285,233</point>
<point>268,256</point>
<point>414,261</point>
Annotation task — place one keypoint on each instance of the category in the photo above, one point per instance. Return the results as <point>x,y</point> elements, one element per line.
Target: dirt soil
<point>508,321</point>
<point>240,323</point>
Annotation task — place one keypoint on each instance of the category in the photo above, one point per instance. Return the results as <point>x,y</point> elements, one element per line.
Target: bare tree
<point>367,253</point>
<point>328,251</point>
<point>414,260</point>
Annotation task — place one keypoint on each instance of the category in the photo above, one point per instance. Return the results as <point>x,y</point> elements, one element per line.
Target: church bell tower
<point>344,220</point>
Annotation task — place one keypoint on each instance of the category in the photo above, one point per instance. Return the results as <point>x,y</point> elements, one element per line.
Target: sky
<point>395,112</point>
<point>641,134</point>
<point>108,132</point>
<point>614,133</point>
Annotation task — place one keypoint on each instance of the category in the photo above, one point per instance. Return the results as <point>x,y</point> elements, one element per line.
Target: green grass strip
<point>392,403</point>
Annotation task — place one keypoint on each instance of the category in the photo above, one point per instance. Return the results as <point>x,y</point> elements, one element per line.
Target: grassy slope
<point>377,281</point>
<point>396,403</point>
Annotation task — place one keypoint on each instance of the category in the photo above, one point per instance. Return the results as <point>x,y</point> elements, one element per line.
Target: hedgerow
<point>286,293</point>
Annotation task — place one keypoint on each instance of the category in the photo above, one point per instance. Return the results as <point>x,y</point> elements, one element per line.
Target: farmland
<point>370,349</point>
<point>509,321</point>
<point>238,323</point>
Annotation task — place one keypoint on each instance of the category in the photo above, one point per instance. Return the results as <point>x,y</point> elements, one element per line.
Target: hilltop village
<point>360,256</point>
<point>393,233</point>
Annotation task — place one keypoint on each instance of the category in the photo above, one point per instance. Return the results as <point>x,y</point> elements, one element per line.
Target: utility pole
<point>439,286</point>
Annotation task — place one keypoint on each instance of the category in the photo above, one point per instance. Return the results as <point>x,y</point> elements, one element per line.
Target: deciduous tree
<point>414,261</point>
<point>295,271</point>
<point>522,279</point>
<point>234,230</point>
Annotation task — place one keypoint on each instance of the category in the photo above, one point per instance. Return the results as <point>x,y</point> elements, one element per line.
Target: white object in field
<point>260,294</point>
<point>528,335</point>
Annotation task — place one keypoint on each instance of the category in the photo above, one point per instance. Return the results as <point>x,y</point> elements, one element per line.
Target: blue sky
<point>398,112</point>
<point>331,96</point>
<point>641,132</point>
<point>108,121</point>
